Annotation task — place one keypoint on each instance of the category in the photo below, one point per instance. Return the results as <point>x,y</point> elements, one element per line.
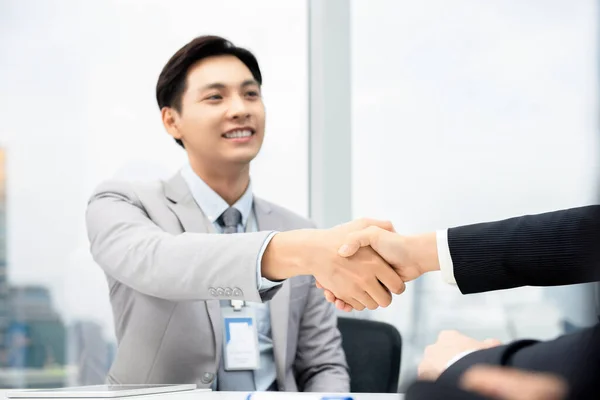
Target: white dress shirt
<point>213,205</point>
<point>444,257</point>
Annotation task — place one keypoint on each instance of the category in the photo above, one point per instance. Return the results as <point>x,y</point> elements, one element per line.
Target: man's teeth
<point>238,134</point>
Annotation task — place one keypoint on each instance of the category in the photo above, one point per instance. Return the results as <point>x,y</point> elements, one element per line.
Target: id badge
<point>240,339</point>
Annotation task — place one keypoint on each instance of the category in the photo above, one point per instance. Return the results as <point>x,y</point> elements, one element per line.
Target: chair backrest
<point>373,351</point>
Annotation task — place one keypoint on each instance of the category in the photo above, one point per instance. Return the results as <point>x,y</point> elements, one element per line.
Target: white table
<point>208,395</point>
<point>202,395</point>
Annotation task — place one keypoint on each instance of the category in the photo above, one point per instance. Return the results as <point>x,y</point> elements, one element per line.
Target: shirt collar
<point>210,202</point>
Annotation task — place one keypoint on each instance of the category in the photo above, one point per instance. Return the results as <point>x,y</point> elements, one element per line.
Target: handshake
<point>358,264</point>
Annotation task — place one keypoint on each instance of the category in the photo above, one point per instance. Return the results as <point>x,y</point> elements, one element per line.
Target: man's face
<point>222,118</point>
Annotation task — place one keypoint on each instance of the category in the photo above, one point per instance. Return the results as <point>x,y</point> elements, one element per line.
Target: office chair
<point>373,350</point>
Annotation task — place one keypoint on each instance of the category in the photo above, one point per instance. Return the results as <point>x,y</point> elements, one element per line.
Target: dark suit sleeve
<point>555,248</point>
<point>424,390</point>
<point>576,357</point>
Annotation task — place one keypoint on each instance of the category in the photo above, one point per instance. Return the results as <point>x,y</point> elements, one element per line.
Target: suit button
<point>237,292</point>
<point>228,292</point>
<point>207,377</point>
<point>212,292</point>
<point>220,292</point>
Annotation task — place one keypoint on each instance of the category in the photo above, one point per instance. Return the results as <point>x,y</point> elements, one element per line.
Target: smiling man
<point>208,283</point>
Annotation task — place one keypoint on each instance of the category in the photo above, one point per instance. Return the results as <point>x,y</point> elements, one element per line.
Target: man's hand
<point>449,345</point>
<point>410,256</point>
<point>511,384</point>
<point>361,280</point>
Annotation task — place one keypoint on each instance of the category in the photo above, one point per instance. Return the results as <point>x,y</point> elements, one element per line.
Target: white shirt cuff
<point>458,357</point>
<point>264,283</point>
<point>444,257</point>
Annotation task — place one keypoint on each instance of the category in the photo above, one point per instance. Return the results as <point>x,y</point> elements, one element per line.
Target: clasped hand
<point>373,261</point>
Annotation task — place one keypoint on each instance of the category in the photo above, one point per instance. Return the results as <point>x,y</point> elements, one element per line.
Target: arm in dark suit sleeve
<point>576,357</point>
<point>555,248</point>
<point>425,390</point>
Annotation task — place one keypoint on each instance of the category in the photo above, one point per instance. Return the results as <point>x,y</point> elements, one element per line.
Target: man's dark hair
<point>172,81</point>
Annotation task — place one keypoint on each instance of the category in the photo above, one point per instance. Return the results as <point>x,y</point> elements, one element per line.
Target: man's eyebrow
<point>216,85</point>
<point>219,85</point>
<point>250,82</point>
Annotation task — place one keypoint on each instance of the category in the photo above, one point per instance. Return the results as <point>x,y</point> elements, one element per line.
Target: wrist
<point>283,257</point>
<point>422,250</point>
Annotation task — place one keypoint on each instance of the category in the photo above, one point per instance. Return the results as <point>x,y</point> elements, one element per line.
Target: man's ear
<point>170,120</point>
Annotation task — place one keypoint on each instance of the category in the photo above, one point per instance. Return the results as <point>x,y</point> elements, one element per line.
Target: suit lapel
<point>279,307</point>
<point>182,203</point>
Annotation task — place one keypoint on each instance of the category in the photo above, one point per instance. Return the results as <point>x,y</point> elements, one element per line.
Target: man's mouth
<point>238,134</point>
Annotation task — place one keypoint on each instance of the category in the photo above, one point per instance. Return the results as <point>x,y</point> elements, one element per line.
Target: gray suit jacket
<point>166,275</point>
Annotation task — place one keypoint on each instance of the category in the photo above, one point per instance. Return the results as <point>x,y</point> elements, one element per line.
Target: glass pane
<point>469,111</point>
<point>78,106</point>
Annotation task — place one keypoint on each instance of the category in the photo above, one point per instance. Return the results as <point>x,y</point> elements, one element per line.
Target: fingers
<point>387,281</point>
<point>373,279</point>
<point>367,298</point>
<point>350,304</point>
<point>343,306</point>
<point>450,335</point>
<point>347,307</point>
<point>355,304</point>
<point>512,384</point>
<point>492,342</point>
<point>376,293</point>
<point>379,294</point>
<point>367,222</point>
<point>329,296</point>
<point>339,304</point>
<point>424,372</point>
<point>355,240</point>
<point>390,279</point>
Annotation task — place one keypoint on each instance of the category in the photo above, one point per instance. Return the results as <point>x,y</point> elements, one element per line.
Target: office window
<point>469,111</point>
<point>77,97</point>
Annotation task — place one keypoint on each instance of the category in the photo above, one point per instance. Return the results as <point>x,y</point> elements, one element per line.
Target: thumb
<point>355,240</point>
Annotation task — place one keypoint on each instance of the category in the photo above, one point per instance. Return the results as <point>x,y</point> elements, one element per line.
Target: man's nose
<point>238,108</point>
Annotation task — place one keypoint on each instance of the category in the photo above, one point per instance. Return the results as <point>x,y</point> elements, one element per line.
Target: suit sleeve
<point>575,357</point>
<point>555,248</point>
<point>425,390</point>
<point>320,364</point>
<point>132,249</point>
